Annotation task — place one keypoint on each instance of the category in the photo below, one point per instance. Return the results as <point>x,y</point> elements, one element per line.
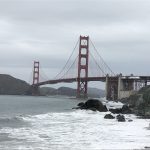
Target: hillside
<point>92,92</point>
<point>12,86</point>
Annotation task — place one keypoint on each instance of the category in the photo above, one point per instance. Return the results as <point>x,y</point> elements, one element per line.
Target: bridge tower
<point>83,67</point>
<point>36,73</point>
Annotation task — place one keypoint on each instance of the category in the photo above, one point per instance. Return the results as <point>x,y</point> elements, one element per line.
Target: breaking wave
<point>76,130</point>
<point>14,122</point>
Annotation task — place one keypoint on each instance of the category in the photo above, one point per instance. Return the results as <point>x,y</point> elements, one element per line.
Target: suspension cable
<point>67,60</point>
<point>69,68</point>
<point>97,63</point>
<point>101,58</point>
<point>42,74</point>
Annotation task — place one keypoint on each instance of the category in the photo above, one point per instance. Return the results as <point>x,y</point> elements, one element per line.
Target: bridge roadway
<point>102,79</point>
<point>70,80</point>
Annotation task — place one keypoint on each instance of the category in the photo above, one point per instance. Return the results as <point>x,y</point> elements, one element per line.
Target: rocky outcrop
<point>130,120</point>
<point>80,104</point>
<point>92,104</point>
<point>124,110</point>
<point>96,105</point>
<point>116,110</point>
<point>109,116</point>
<point>139,103</point>
<point>120,118</point>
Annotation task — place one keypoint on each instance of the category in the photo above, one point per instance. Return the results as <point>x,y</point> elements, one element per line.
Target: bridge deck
<point>102,79</point>
<point>71,80</point>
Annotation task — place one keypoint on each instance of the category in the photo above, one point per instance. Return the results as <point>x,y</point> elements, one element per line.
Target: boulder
<point>120,118</point>
<point>94,103</point>
<point>109,116</point>
<point>130,120</point>
<point>76,108</point>
<point>126,109</point>
<point>147,147</point>
<point>93,109</point>
<point>80,104</point>
<point>116,111</point>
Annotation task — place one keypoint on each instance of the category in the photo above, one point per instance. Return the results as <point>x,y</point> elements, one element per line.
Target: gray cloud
<point>47,30</point>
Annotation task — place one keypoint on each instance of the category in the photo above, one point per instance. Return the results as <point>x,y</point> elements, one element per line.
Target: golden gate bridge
<point>87,67</point>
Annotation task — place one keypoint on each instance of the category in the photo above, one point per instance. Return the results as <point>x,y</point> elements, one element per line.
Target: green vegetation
<point>140,102</point>
<point>144,106</point>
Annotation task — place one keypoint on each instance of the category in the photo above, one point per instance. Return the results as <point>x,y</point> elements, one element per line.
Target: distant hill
<point>12,86</point>
<point>92,92</point>
<point>48,91</point>
<point>95,92</point>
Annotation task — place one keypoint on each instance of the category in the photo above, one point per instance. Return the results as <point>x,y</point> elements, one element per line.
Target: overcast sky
<point>47,30</point>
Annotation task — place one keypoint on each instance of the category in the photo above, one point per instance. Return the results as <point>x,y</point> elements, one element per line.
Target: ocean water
<point>50,123</point>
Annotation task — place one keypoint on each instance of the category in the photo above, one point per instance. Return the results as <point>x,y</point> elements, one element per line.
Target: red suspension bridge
<point>88,67</point>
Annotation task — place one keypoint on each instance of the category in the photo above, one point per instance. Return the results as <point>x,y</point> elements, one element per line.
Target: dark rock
<point>126,109</point>
<point>130,120</point>
<point>105,108</point>
<point>109,116</point>
<point>116,111</point>
<point>76,108</point>
<point>80,104</point>
<point>94,103</point>
<point>147,147</point>
<point>93,109</point>
<point>144,117</point>
<point>120,118</point>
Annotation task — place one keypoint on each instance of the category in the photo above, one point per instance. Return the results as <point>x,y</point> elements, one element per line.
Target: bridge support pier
<point>35,90</point>
<point>111,88</point>
<point>119,87</point>
<point>120,84</point>
<point>125,87</point>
